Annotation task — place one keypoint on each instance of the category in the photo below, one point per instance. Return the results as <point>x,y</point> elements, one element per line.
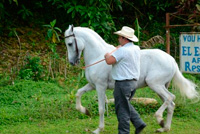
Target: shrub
<point>32,69</point>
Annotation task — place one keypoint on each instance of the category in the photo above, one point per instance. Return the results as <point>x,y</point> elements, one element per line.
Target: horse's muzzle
<point>75,62</point>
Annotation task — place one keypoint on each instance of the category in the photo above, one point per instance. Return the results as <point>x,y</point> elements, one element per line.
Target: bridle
<point>73,35</point>
<point>77,53</point>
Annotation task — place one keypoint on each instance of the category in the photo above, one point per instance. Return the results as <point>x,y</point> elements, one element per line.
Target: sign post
<point>190,52</point>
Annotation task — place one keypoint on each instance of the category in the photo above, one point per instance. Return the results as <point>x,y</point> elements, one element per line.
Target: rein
<point>100,60</point>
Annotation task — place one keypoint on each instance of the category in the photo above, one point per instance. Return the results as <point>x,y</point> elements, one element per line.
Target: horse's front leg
<point>101,101</point>
<point>79,93</point>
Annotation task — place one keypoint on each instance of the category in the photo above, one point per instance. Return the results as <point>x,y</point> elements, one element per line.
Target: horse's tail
<point>186,87</point>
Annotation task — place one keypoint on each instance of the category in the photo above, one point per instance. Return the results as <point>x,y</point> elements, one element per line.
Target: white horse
<point>157,70</point>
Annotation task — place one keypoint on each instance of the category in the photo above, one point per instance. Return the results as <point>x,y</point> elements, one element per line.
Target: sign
<point>190,52</point>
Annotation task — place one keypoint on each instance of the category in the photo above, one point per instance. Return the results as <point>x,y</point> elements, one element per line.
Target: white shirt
<point>127,64</point>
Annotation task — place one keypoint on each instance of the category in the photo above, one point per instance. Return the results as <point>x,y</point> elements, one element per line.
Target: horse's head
<point>74,51</point>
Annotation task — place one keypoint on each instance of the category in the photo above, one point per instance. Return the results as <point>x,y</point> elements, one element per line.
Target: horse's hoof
<point>87,113</point>
<point>162,123</point>
<point>160,130</point>
<point>96,131</point>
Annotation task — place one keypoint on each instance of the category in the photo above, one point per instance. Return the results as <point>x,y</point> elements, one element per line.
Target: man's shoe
<point>139,129</point>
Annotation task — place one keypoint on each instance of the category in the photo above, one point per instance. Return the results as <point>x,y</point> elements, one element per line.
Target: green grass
<point>49,108</point>
<point>84,126</point>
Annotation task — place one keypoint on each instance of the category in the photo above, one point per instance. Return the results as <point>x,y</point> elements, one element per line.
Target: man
<point>125,63</point>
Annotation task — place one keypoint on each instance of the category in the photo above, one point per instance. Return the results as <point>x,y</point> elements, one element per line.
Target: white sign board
<point>190,52</point>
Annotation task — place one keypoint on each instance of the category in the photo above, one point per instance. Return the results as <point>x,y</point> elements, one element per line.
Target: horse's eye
<point>69,44</point>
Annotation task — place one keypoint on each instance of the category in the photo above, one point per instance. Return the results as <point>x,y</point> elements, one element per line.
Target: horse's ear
<point>71,27</point>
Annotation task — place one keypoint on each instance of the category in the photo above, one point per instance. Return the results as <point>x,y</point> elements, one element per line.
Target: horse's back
<point>156,56</point>
<point>156,65</point>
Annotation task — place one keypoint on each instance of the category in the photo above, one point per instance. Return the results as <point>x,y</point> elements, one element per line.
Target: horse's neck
<point>95,46</point>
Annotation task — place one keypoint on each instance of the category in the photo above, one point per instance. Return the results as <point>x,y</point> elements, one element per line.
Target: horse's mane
<point>91,33</point>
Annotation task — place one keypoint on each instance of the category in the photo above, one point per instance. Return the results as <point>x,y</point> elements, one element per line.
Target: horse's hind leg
<point>167,98</point>
<point>170,111</point>
<point>79,93</point>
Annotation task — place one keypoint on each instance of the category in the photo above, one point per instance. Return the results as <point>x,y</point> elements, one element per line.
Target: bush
<point>32,69</point>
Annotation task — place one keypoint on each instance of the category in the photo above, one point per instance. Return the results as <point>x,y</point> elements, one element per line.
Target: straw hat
<point>128,33</point>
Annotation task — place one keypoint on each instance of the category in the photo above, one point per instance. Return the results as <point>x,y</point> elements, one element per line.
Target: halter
<point>77,53</point>
<point>73,35</point>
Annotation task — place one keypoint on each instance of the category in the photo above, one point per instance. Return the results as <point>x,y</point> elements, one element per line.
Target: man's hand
<point>109,59</point>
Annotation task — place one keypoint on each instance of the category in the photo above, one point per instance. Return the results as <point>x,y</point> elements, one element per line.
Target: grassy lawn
<point>84,126</point>
<point>30,107</point>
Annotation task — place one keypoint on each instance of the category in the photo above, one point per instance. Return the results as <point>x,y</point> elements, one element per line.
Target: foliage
<point>24,12</point>
<point>32,70</point>
<point>53,36</point>
<point>191,8</point>
<point>52,39</point>
<point>188,6</point>
<point>93,14</point>
<point>52,31</point>
<point>90,13</point>
<point>138,30</point>
<point>101,15</point>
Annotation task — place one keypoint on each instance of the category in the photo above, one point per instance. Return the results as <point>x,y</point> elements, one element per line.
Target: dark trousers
<point>124,110</point>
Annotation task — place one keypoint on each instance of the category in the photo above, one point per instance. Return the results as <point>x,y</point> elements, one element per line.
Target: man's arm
<point>109,59</point>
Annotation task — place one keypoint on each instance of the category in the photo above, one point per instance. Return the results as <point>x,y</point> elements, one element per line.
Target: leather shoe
<point>140,128</point>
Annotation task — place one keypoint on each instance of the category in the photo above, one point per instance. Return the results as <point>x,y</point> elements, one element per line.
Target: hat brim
<point>133,38</point>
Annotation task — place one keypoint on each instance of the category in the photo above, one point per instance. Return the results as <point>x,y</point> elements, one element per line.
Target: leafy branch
<point>52,32</point>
